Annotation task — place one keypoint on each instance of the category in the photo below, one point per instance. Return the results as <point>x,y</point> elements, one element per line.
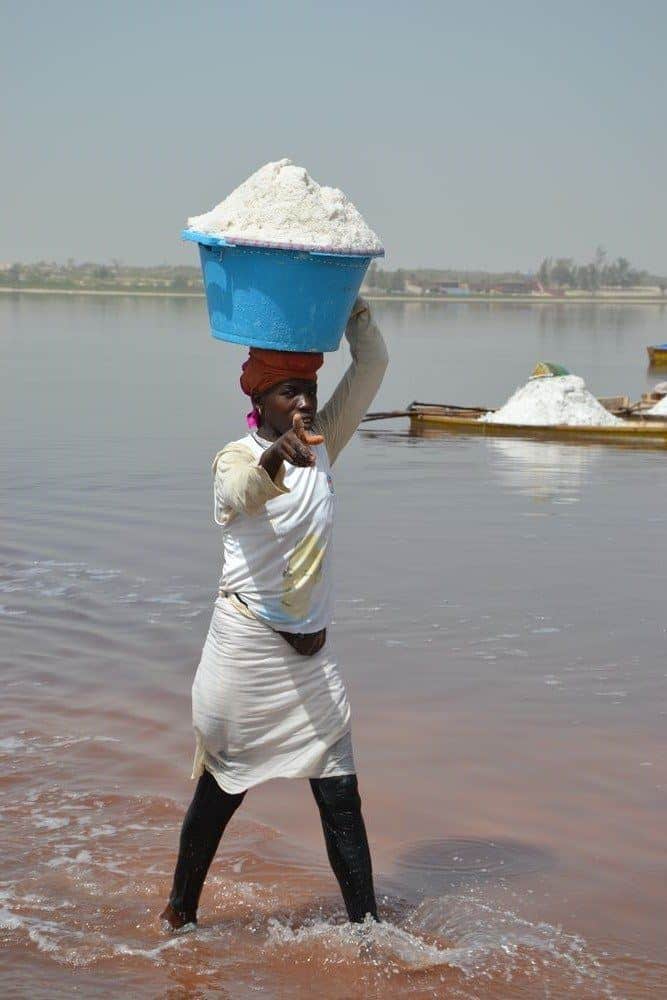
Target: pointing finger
<point>302,433</point>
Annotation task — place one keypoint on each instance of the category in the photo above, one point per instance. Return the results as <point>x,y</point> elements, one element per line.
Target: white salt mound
<point>660,408</point>
<point>562,399</point>
<point>281,205</point>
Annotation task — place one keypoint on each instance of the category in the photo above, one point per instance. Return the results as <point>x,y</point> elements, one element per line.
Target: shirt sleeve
<point>240,484</point>
<point>341,415</point>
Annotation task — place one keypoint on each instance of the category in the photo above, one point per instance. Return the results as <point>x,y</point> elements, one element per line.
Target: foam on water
<point>474,940</point>
<point>499,939</point>
<point>381,944</point>
<point>449,935</point>
<point>103,851</point>
<point>52,580</point>
<point>478,941</point>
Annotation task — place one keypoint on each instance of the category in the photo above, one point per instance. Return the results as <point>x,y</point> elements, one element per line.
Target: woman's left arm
<point>341,415</point>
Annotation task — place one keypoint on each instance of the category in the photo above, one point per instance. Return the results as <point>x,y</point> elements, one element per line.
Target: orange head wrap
<point>266,368</point>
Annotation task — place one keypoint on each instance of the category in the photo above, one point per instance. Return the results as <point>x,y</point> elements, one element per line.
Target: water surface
<point>501,627</point>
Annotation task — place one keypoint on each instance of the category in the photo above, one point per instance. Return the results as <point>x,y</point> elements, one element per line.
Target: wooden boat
<point>638,429</point>
<point>657,355</point>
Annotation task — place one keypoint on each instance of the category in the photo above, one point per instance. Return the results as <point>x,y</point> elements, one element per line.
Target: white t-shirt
<point>277,542</point>
<point>278,559</point>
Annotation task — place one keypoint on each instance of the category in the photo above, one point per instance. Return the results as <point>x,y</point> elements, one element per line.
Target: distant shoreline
<point>537,300</point>
<point>626,300</point>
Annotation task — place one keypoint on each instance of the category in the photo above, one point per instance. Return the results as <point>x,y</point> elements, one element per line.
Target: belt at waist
<point>305,643</point>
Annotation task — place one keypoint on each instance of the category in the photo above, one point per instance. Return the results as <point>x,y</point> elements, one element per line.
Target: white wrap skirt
<point>261,710</point>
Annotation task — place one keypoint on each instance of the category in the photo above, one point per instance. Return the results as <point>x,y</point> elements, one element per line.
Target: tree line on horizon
<point>559,272</point>
<point>600,272</point>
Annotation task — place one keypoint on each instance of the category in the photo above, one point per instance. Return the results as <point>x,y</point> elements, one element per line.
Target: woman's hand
<point>360,306</point>
<point>359,320</point>
<point>292,447</point>
<point>302,433</point>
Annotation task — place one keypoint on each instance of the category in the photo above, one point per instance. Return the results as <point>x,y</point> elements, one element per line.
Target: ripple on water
<point>436,865</point>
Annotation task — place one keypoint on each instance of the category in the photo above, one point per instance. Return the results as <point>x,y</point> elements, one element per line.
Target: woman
<point>268,700</point>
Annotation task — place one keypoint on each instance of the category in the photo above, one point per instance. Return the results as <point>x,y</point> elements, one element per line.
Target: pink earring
<point>254,418</point>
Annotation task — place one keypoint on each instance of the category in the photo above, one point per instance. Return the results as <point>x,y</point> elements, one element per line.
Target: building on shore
<point>453,288</point>
<point>522,286</point>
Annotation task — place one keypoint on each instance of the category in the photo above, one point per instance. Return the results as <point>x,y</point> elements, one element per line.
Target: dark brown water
<point>502,628</point>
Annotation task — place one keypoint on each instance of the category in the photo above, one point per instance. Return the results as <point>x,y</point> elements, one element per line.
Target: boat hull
<point>657,356</point>
<point>652,433</point>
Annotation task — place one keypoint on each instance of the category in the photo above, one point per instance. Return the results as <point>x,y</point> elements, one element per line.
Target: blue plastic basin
<point>281,299</point>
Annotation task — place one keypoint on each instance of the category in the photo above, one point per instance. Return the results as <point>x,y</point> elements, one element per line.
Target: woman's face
<point>278,405</point>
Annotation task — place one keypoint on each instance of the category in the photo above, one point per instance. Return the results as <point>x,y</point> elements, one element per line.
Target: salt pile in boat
<point>281,205</point>
<point>562,399</point>
<point>660,408</point>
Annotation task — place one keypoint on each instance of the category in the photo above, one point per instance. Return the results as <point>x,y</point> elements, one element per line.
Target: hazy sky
<point>476,134</point>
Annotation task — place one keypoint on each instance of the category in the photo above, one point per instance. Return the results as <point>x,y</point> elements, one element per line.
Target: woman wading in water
<point>268,700</point>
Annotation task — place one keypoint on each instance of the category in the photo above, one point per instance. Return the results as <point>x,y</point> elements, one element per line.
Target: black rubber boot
<point>346,842</point>
<point>208,814</point>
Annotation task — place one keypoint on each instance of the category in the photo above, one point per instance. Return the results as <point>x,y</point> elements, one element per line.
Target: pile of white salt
<point>660,408</point>
<point>561,399</point>
<point>281,205</point>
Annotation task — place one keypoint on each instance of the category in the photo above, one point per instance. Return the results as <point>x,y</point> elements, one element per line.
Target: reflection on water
<point>544,470</point>
<point>595,319</point>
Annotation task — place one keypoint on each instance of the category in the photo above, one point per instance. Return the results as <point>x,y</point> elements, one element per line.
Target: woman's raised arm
<point>341,415</point>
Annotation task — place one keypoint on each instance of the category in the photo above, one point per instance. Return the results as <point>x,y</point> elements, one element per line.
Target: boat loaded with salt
<point>657,354</point>
<point>552,404</point>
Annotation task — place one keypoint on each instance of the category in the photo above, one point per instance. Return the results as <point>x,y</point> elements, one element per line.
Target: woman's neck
<point>267,433</point>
